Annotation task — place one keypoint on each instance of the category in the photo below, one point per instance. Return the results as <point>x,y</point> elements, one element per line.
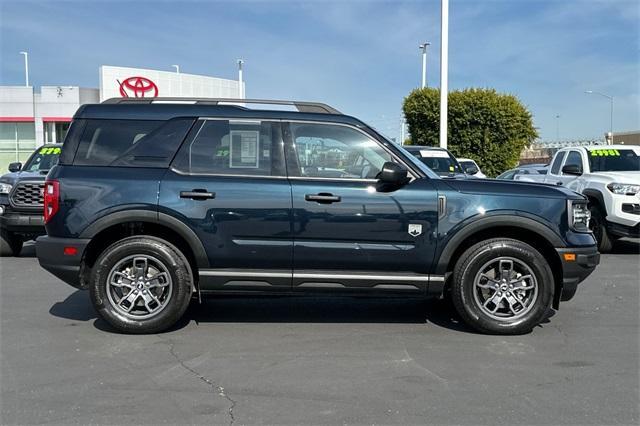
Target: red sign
<point>138,87</point>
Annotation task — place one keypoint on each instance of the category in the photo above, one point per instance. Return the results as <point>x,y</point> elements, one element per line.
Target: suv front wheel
<point>141,285</point>
<point>502,286</point>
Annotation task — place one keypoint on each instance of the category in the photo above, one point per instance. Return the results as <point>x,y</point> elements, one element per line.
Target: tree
<point>490,127</point>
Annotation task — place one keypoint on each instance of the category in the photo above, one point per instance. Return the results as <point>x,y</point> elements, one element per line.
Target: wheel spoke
<point>520,283</point>
<point>141,267</point>
<point>491,283</point>
<point>148,298</point>
<point>506,269</point>
<point>512,301</point>
<point>495,299</point>
<point>118,280</point>
<point>160,279</point>
<point>131,298</point>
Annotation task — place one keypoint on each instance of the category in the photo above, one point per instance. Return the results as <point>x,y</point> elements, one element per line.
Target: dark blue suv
<point>155,202</point>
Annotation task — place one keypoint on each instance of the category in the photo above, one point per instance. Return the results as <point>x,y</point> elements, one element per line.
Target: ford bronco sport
<point>156,202</point>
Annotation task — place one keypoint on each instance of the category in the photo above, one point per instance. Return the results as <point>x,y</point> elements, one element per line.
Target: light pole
<point>444,70</point>
<point>557,127</point>
<point>240,82</point>
<point>177,67</point>
<point>592,92</point>
<point>26,68</point>
<point>423,46</point>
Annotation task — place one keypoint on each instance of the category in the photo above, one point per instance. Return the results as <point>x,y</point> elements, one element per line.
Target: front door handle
<point>323,198</point>
<point>198,194</point>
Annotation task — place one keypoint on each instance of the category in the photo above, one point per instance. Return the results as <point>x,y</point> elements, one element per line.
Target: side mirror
<point>15,167</point>
<point>572,169</point>
<point>471,170</point>
<point>392,174</point>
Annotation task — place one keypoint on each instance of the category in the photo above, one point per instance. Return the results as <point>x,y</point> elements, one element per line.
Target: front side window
<point>334,151</point>
<point>229,147</point>
<point>555,167</point>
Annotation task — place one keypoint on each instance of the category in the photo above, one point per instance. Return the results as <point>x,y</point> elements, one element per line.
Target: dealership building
<point>30,118</point>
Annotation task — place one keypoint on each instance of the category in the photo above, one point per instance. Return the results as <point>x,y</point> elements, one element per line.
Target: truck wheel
<point>141,285</point>
<point>502,286</point>
<point>598,226</point>
<point>10,244</point>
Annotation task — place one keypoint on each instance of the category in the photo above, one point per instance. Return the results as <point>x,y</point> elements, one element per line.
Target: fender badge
<point>415,229</point>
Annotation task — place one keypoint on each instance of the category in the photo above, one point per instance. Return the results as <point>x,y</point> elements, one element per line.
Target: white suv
<point>610,177</point>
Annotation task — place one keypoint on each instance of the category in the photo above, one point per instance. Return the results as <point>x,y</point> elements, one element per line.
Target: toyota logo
<point>138,86</point>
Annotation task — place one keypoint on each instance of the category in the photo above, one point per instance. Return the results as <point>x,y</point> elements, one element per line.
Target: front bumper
<point>50,252</point>
<point>575,271</point>
<point>624,231</point>
<point>22,222</point>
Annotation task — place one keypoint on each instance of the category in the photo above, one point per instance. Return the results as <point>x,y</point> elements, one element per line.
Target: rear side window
<point>233,147</point>
<point>158,147</point>
<point>555,167</point>
<point>103,141</point>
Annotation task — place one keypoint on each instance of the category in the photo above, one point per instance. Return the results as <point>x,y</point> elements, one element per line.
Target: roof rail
<point>314,107</point>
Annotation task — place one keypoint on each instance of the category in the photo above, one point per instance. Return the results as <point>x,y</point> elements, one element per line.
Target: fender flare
<point>176,225</point>
<point>487,222</point>
<point>594,193</point>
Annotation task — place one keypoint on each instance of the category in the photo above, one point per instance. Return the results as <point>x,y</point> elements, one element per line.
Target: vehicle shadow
<point>229,309</point>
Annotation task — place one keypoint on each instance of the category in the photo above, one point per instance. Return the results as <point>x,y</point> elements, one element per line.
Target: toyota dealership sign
<point>122,82</point>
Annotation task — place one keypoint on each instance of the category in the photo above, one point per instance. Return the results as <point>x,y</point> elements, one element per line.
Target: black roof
<point>166,111</point>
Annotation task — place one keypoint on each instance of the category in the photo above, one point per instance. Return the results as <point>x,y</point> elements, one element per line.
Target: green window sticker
<point>50,151</point>
<point>605,153</point>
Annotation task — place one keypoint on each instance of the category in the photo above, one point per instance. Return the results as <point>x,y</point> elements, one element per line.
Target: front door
<point>349,233</point>
<point>228,184</point>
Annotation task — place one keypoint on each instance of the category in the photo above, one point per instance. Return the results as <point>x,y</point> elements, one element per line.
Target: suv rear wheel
<point>141,285</point>
<point>10,244</point>
<point>502,286</point>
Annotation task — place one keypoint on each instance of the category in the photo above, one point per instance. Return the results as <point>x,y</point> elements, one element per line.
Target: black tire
<point>466,295</point>
<point>598,226</point>
<point>163,257</point>
<point>10,244</point>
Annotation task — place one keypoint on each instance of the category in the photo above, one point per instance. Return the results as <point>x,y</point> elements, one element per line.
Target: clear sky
<point>360,56</point>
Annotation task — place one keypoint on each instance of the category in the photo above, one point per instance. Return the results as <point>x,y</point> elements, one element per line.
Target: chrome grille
<point>28,194</point>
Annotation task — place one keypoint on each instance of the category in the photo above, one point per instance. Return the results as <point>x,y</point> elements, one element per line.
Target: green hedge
<point>491,128</point>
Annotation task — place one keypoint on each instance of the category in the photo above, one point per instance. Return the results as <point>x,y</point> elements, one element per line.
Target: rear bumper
<point>575,271</point>
<point>50,252</point>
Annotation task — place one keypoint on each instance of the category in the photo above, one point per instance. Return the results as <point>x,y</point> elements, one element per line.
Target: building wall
<point>24,115</point>
<point>169,84</point>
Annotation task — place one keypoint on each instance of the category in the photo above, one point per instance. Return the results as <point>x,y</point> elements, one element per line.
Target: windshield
<point>614,160</point>
<point>43,159</point>
<point>439,161</point>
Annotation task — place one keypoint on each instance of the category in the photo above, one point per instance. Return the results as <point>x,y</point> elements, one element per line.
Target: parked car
<point>609,176</point>
<point>440,160</point>
<point>523,172</point>
<point>21,199</point>
<point>154,203</point>
<point>470,167</point>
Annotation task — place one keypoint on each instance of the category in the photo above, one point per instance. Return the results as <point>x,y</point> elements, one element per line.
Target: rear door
<point>349,233</point>
<point>228,184</point>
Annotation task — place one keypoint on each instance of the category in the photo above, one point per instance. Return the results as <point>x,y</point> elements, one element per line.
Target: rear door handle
<point>198,194</point>
<point>323,198</point>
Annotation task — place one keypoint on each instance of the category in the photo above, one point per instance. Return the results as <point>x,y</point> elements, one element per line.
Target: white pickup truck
<point>609,176</point>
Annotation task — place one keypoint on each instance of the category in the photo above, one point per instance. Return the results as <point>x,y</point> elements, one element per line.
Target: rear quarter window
<point>104,141</point>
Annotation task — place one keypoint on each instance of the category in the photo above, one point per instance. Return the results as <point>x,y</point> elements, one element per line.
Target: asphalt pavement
<point>319,361</point>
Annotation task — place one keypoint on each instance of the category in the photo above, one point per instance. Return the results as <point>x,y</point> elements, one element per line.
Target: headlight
<point>624,188</point>
<point>5,188</point>
<point>579,215</point>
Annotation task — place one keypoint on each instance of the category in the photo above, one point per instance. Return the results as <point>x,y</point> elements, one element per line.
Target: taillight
<point>51,199</point>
